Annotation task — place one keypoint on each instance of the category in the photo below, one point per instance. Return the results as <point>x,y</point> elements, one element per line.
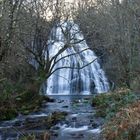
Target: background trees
<point>111,27</point>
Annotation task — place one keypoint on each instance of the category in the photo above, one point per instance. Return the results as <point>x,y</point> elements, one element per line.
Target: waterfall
<point>90,79</point>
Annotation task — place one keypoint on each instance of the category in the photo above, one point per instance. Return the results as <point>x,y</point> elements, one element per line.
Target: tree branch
<point>67,56</point>
<point>74,67</point>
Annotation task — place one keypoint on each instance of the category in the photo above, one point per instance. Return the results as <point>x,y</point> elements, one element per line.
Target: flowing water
<point>70,86</point>
<point>80,123</point>
<point>71,79</point>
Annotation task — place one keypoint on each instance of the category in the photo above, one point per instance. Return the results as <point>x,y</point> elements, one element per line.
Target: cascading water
<point>81,122</point>
<point>72,78</point>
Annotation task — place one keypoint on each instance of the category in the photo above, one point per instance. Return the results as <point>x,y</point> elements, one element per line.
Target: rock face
<point>71,80</point>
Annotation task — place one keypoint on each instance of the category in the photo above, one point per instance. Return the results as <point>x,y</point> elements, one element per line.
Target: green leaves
<point>108,104</point>
<point>121,110</point>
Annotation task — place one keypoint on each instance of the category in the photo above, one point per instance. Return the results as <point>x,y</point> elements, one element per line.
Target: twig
<point>3,79</point>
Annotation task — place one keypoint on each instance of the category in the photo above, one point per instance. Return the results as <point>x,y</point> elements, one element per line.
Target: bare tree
<point>113,26</point>
<point>47,62</point>
<point>36,40</point>
<point>9,16</point>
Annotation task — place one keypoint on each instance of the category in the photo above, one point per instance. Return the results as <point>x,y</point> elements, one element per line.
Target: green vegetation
<point>121,110</point>
<point>110,27</point>
<point>28,137</point>
<point>17,99</point>
<point>108,105</point>
<point>125,125</point>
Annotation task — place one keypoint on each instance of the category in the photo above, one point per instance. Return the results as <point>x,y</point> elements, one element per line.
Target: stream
<point>80,123</point>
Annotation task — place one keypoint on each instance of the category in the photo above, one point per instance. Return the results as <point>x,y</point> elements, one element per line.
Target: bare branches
<point>36,56</point>
<point>62,58</point>
<point>79,68</point>
<point>3,79</point>
<point>62,77</point>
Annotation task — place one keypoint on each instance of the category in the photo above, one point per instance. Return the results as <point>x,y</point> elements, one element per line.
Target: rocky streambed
<point>67,118</point>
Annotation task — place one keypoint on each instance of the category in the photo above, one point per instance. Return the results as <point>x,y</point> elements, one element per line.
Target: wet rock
<point>67,122</point>
<point>55,134</point>
<point>91,121</point>
<point>73,135</point>
<point>44,105</point>
<point>74,118</point>
<point>77,136</point>
<point>17,123</point>
<point>96,122</point>
<point>65,106</point>
<point>59,113</point>
<point>86,98</point>
<point>56,128</point>
<point>43,102</point>
<point>77,101</point>
<point>80,136</point>
<point>95,125</point>
<point>51,100</point>
<point>45,122</point>
<point>60,101</point>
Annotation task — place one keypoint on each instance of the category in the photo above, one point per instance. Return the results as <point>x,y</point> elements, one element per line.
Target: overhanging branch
<point>67,56</point>
<point>74,67</point>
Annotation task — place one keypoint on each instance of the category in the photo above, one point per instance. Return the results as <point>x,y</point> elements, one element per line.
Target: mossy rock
<point>28,137</point>
<point>46,122</point>
<point>55,117</point>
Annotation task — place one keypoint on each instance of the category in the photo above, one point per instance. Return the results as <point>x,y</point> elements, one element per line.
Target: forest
<point>69,69</point>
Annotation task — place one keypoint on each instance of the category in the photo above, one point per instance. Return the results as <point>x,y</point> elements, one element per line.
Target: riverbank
<point>121,110</point>
<point>17,104</point>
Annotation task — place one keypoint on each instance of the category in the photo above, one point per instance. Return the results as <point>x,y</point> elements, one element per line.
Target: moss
<point>28,137</point>
<point>42,136</point>
<point>58,116</point>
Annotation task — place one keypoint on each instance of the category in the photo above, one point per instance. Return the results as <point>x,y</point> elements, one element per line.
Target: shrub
<point>109,104</point>
<point>125,125</point>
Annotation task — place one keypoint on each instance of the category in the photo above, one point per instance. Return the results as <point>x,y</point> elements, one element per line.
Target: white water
<point>66,129</point>
<point>90,79</point>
